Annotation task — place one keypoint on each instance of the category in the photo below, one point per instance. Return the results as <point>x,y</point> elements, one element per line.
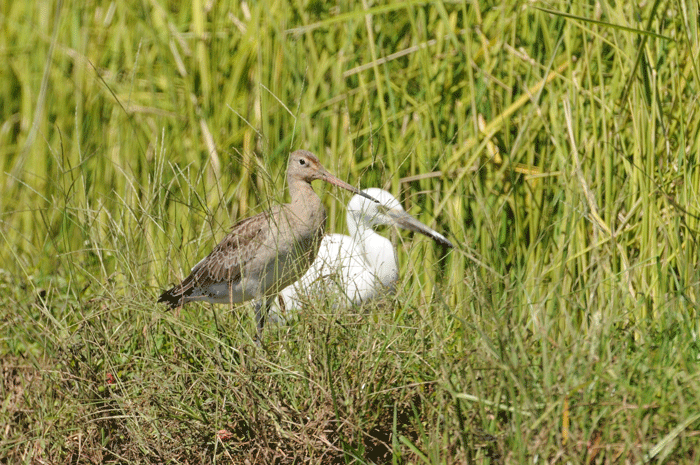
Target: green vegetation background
<point>556,144</point>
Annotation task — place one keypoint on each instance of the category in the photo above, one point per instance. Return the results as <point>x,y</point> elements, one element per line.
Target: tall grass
<point>555,144</point>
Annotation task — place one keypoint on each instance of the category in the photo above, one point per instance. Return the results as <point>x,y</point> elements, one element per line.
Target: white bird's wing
<point>335,264</point>
<point>338,276</point>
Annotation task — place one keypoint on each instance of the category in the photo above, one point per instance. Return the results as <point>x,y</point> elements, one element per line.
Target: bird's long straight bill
<point>337,182</point>
<point>406,221</point>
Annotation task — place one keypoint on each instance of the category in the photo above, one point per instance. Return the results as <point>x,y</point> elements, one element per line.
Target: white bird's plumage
<point>357,268</point>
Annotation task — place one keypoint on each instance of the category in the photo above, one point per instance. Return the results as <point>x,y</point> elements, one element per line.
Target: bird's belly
<point>227,293</point>
<point>287,267</point>
<point>361,284</point>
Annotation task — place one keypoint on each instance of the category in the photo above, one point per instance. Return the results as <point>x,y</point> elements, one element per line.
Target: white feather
<point>359,267</point>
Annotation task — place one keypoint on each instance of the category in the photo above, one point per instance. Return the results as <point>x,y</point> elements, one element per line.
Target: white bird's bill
<point>406,221</point>
<point>357,268</point>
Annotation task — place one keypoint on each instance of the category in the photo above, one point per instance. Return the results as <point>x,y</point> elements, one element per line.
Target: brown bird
<point>267,252</point>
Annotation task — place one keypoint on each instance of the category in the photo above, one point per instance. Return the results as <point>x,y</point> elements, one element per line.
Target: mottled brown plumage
<point>267,252</point>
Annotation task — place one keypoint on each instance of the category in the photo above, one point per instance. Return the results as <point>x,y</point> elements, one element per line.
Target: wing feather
<point>225,262</point>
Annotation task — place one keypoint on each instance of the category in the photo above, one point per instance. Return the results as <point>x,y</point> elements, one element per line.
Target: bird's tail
<point>173,297</point>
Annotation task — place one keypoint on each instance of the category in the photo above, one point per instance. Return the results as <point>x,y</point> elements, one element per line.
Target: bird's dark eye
<point>302,162</point>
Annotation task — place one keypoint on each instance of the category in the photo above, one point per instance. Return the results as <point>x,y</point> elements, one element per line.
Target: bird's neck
<point>304,198</point>
<point>308,212</point>
<point>377,251</point>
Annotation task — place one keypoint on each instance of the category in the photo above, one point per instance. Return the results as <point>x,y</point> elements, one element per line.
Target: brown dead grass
<point>107,422</point>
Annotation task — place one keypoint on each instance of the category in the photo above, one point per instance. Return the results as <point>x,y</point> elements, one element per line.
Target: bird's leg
<point>262,308</point>
<point>259,320</point>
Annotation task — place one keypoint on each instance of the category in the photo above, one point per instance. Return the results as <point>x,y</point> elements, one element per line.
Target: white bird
<point>355,268</point>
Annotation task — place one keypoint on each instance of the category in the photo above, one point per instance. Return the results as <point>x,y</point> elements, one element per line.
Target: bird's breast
<point>292,248</point>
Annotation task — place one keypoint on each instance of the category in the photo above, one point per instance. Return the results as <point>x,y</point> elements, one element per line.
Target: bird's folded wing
<point>229,257</point>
